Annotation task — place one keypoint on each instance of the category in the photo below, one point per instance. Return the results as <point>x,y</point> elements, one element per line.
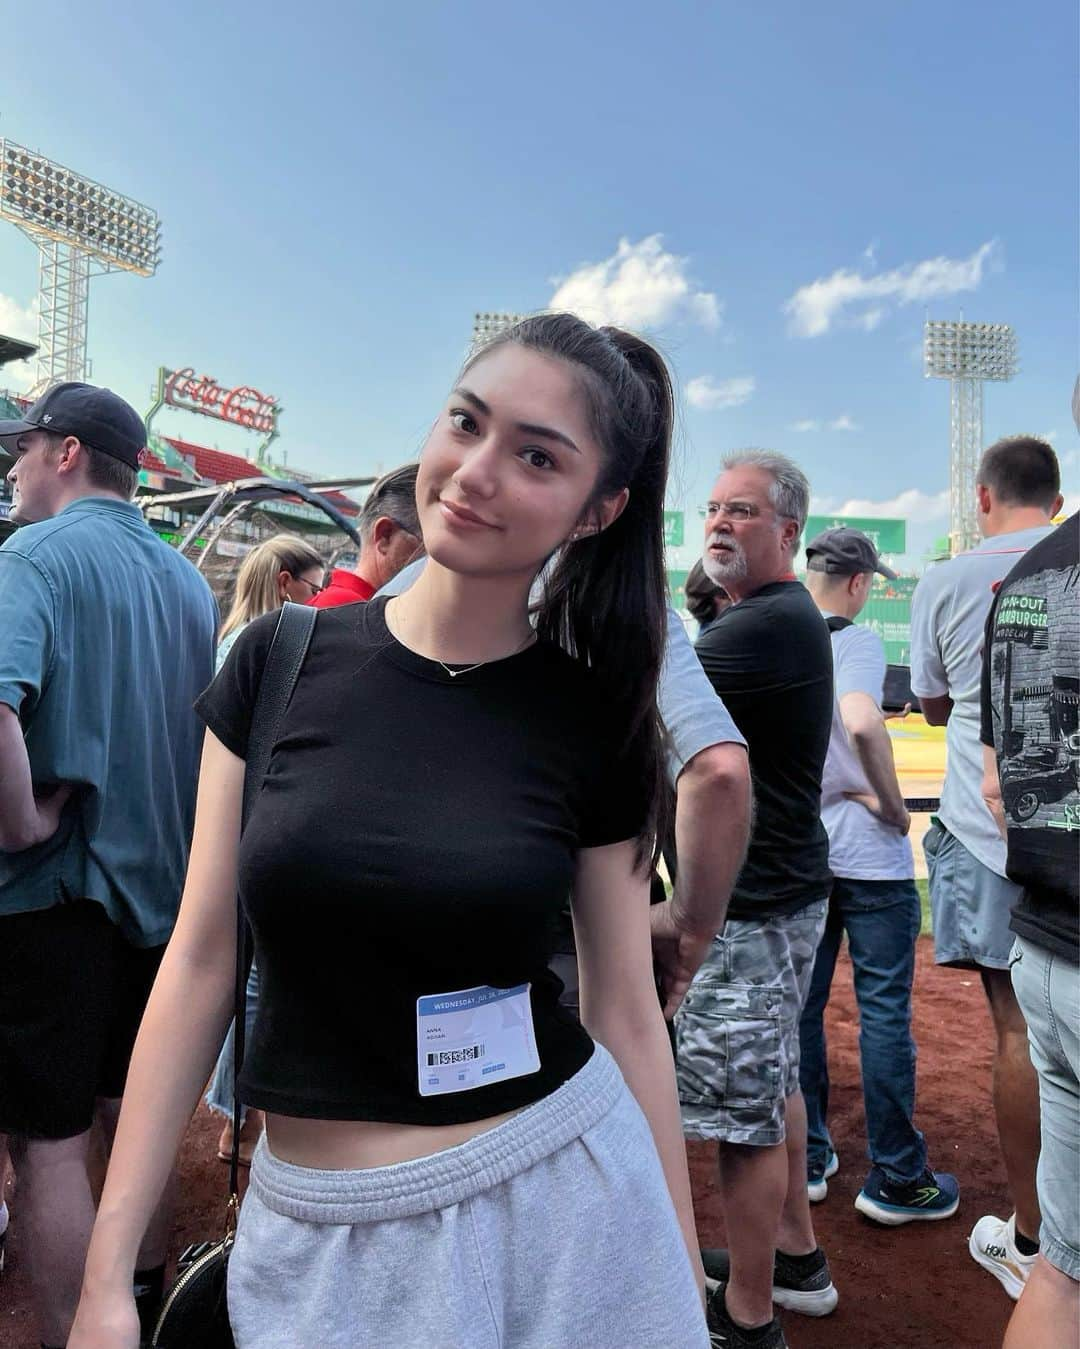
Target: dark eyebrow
<point>528,427</point>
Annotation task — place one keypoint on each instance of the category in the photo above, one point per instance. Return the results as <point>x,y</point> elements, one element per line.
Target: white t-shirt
<point>948,615</point>
<point>861,847</point>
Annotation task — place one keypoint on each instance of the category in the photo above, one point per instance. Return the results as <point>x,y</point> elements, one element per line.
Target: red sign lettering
<point>242,406</point>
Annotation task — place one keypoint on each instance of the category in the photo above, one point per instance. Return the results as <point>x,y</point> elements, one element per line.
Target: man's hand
<point>50,806</point>
<point>677,955</point>
<point>902,715</point>
<point>871,803</point>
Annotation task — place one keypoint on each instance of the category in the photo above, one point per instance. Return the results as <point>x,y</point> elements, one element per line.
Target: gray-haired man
<point>768,658</point>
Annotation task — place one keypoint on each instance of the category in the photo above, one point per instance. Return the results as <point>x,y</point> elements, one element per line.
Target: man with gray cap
<point>108,639</point>
<point>873,900</point>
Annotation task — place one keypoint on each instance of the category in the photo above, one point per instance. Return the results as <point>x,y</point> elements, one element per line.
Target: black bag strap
<point>289,646</point>
<point>837,624</point>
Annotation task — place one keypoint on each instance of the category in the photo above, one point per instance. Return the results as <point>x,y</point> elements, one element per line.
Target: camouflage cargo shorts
<point>737,1033</point>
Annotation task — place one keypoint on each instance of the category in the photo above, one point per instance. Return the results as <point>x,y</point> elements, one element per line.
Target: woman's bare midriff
<point>353,1145</point>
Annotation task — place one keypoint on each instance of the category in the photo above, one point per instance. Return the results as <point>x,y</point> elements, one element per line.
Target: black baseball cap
<point>98,417</point>
<point>845,552</point>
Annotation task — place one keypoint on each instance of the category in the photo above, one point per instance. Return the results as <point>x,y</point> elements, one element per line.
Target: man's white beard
<point>731,566</point>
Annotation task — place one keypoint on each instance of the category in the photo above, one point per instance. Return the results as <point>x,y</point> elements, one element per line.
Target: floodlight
<point>79,227</point>
<point>966,354</point>
<point>488,325</point>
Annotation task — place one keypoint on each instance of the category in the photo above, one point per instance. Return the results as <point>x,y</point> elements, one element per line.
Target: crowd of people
<point>477,1026</point>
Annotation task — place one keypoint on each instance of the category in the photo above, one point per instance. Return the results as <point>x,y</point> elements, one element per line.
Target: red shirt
<point>345,588</point>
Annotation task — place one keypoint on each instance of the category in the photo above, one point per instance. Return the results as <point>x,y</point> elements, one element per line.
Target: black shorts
<point>72,994</point>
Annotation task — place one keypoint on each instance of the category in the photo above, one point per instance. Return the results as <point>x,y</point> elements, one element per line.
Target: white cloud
<point>870,252</point>
<point>841,423</point>
<point>713,394</point>
<point>814,308</point>
<point>912,504</point>
<point>17,321</point>
<point>641,285</point>
<point>869,319</point>
<point>926,513</point>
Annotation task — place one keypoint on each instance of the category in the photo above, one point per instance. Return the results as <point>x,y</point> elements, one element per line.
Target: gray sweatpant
<point>554,1230</point>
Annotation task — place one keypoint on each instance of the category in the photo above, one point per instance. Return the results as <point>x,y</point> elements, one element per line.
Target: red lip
<point>463,515</point>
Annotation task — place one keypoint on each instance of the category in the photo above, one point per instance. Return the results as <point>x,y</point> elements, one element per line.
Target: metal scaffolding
<point>966,354</point>
<point>80,229</point>
<point>63,296</point>
<point>965,450</point>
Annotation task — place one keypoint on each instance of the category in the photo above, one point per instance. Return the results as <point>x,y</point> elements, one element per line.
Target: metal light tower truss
<point>487,326</point>
<point>966,354</point>
<point>81,229</point>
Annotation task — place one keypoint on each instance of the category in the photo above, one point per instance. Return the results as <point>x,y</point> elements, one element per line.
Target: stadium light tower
<point>966,354</point>
<point>487,326</point>
<point>81,229</point>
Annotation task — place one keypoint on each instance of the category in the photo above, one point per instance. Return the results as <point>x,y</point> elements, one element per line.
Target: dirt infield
<point>912,1286</point>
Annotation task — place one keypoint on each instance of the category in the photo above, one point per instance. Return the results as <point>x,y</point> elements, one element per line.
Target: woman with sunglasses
<point>278,569</point>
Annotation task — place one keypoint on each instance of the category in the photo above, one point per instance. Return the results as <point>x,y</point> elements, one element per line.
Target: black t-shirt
<point>769,657</point>
<point>1031,716</point>
<point>416,835</point>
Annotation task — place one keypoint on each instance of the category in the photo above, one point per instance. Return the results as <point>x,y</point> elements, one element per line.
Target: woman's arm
<point>620,1008</point>
<point>181,1033</point>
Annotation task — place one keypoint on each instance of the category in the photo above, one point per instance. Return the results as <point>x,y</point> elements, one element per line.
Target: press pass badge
<point>474,1037</point>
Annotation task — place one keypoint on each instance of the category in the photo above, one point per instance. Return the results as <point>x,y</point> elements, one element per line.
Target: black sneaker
<point>801,1284</point>
<point>933,1196</point>
<point>725,1334</point>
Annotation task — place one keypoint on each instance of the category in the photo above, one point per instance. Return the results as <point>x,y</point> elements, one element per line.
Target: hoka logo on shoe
<point>998,1252</point>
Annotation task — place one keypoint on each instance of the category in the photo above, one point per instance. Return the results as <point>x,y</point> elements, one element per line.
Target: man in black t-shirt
<point>769,659</point>
<point>1031,739</point>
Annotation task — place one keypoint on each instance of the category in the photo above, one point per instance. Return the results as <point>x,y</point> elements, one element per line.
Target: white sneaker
<point>993,1245</point>
<point>817,1187</point>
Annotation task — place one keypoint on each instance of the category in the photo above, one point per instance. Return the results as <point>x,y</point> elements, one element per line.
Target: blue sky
<point>778,194</point>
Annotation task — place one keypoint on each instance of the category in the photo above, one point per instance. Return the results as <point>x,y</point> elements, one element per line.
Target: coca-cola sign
<point>240,405</point>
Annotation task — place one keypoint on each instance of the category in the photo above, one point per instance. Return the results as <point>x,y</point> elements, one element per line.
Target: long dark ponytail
<point>605,595</point>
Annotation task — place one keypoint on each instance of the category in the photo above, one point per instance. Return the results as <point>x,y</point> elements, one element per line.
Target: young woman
<point>450,1158</point>
<point>281,568</point>
<point>278,569</point>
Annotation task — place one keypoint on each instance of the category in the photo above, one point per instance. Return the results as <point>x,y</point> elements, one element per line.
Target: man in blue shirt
<point>108,637</point>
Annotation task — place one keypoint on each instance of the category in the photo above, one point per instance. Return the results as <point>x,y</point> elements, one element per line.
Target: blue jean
<point>1047,988</point>
<point>220,1096</point>
<point>882,921</point>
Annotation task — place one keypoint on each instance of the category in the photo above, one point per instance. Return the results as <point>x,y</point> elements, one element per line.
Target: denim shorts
<point>1048,990</point>
<point>553,1229</point>
<point>970,904</point>
<point>737,1032</point>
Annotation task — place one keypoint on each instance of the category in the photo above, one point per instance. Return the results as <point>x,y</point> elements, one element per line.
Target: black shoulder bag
<point>194,1314</point>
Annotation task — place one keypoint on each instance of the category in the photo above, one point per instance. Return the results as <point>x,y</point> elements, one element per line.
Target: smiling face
<point>511,464</point>
<point>747,544</point>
